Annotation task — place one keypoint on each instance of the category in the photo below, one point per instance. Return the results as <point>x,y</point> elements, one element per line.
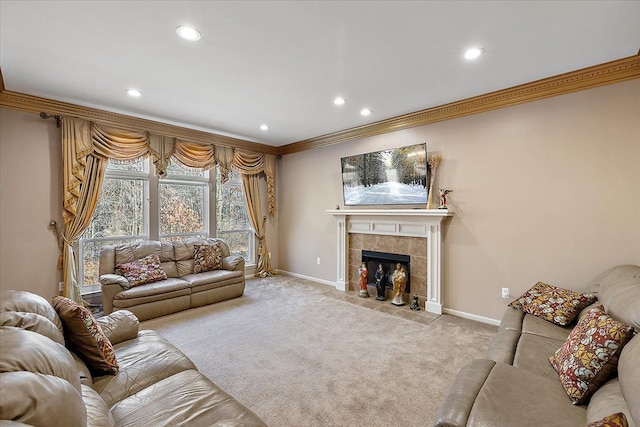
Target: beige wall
<point>30,197</point>
<point>548,190</point>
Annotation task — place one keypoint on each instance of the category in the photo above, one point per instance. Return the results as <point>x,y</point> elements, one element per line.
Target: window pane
<point>176,168</point>
<point>119,211</point>
<point>181,208</point>
<point>232,221</point>
<point>91,258</point>
<point>134,167</point>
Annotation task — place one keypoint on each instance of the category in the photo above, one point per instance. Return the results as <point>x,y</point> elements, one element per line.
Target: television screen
<point>397,176</point>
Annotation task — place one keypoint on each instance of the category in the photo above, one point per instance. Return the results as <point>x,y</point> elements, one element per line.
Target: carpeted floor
<point>300,353</point>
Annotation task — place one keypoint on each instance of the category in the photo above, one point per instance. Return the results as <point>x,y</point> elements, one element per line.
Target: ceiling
<point>282,63</point>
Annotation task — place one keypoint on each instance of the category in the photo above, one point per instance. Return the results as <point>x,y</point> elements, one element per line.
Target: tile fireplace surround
<point>413,232</point>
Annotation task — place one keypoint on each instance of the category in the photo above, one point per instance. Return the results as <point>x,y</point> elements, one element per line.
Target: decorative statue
<point>399,284</point>
<point>415,305</point>
<point>364,293</point>
<point>443,197</point>
<point>380,286</point>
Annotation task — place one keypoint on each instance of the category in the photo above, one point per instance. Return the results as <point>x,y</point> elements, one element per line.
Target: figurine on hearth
<point>443,197</point>
<point>399,284</point>
<point>415,305</point>
<point>380,286</point>
<point>364,293</point>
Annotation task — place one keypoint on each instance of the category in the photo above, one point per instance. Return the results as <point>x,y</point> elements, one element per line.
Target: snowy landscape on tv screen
<point>397,176</point>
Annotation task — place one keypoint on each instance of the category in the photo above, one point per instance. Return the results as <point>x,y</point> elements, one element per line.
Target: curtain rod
<point>45,116</point>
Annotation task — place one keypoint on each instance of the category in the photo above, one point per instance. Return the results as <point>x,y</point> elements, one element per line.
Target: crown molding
<point>34,104</point>
<point>586,78</point>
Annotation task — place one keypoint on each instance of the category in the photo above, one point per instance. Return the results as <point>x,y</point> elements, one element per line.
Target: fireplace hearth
<point>388,261</point>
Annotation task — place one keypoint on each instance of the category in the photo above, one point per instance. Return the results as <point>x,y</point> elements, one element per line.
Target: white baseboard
<point>302,276</point>
<point>470,316</point>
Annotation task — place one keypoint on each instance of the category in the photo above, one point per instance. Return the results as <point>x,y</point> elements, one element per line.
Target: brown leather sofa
<point>516,384</point>
<point>182,289</point>
<point>42,383</point>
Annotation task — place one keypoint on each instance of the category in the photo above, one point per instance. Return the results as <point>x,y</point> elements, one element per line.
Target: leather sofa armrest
<point>455,408</point>
<point>233,262</point>
<point>502,348</point>
<point>119,326</point>
<point>111,284</point>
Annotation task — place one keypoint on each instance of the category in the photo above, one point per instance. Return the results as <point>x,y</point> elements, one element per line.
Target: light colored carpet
<point>299,353</point>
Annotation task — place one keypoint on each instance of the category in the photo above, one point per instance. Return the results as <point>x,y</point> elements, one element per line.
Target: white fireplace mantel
<point>425,223</point>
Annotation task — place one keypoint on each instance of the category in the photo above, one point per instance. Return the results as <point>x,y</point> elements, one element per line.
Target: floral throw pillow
<point>615,420</point>
<point>143,270</point>
<point>557,305</point>
<point>207,258</point>
<point>589,356</point>
<point>85,337</point>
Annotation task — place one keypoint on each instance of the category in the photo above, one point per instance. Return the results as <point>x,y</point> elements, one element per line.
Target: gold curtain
<point>194,155</point>
<point>161,149</point>
<point>224,159</point>
<point>250,165</point>
<point>86,148</point>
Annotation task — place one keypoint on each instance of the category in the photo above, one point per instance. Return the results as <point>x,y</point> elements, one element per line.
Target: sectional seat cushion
<point>557,305</point>
<point>85,337</point>
<point>589,357</point>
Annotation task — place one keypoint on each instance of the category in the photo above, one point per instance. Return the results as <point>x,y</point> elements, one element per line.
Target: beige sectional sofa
<point>182,289</point>
<point>517,385</point>
<point>42,383</point>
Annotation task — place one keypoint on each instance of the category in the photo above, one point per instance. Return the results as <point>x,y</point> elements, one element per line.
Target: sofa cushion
<point>143,361</point>
<point>22,350</point>
<point>590,355</point>
<point>629,376</point>
<point>537,326</point>
<point>32,322</point>
<point>149,292</point>
<point>187,398</point>
<point>606,400</point>
<point>143,270</point>
<point>619,292</point>
<point>29,303</point>
<point>532,354</point>
<point>214,278</point>
<point>85,337</point>
<point>614,420</point>
<point>207,258</point>
<point>40,400</point>
<point>557,305</point>
<point>98,413</point>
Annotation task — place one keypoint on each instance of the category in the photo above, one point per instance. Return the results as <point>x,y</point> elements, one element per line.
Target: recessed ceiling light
<point>264,127</point>
<point>473,53</point>
<point>188,33</point>
<point>339,101</point>
<point>366,111</point>
<point>133,92</point>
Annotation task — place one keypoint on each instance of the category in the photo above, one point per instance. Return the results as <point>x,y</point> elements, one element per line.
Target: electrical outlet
<point>269,255</point>
<point>318,261</point>
<point>60,286</point>
<point>505,293</point>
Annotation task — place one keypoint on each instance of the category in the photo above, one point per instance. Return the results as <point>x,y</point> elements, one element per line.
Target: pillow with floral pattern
<point>85,336</point>
<point>207,258</point>
<point>614,420</point>
<point>557,305</point>
<point>143,270</point>
<point>589,356</point>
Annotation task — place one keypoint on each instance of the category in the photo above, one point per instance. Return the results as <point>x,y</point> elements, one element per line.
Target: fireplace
<point>402,231</point>
<point>388,261</point>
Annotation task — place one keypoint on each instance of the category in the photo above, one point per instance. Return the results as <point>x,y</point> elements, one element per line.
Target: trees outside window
<point>232,221</point>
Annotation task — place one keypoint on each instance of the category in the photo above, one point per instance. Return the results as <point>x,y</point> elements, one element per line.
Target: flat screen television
<point>397,176</point>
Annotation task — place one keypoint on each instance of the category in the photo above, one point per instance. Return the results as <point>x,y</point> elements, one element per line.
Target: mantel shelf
<point>390,212</point>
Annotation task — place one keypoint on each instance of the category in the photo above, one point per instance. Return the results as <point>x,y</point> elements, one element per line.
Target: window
<point>184,200</point>
<point>121,216</point>
<point>135,205</point>
<point>232,221</point>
